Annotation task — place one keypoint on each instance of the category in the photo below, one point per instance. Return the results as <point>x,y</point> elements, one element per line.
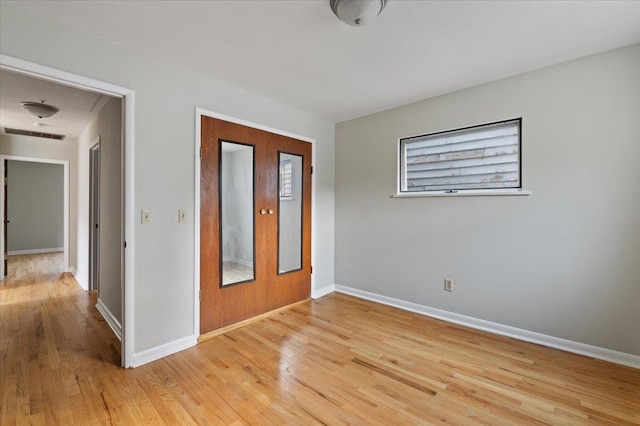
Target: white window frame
<point>461,192</point>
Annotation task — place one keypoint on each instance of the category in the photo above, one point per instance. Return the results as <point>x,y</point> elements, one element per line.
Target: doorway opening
<point>38,226</point>
<point>94,216</point>
<point>124,184</point>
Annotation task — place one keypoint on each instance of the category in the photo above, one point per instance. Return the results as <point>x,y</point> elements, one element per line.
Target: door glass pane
<point>290,213</point>
<point>237,213</point>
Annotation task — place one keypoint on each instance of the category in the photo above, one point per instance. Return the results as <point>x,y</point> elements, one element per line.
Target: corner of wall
<point>110,319</point>
<point>149,355</point>
<point>321,292</point>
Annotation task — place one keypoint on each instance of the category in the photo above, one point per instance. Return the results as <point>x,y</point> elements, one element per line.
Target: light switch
<point>182,215</point>
<point>146,216</point>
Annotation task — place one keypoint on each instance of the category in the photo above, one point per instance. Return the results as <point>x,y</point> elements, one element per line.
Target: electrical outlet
<point>146,216</point>
<point>448,285</point>
<point>182,216</point>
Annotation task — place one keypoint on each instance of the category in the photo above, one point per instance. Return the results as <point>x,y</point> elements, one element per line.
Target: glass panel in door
<point>237,213</point>
<point>290,213</point>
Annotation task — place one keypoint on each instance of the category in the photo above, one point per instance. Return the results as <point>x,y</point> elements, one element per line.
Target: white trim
<point>199,112</point>
<point>149,355</point>
<point>196,227</point>
<point>462,193</point>
<point>501,329</point>
<point>35,251</point>
<point>65,201</point>
<point>129,221</point>
<point>81,279</point>
<point>43,72</point>
<point>74,80</point>
<point>109,318</point>
<point>321,292</point>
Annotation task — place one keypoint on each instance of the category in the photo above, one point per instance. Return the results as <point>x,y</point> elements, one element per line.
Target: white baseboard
<point>622,358</point>
<point>35,251</point>
<point>243,262</point>
<point>317,294</point>
<point>81,279</point>
<point>110,319</point>
<point>144,357</point>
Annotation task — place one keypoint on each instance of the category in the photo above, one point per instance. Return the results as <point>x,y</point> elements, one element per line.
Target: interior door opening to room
<point>255,222</point>
<point>94,216</point>
<point>35,211</point>
<point>121,186</point>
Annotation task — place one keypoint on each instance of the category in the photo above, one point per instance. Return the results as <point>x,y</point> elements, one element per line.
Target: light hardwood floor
<point>234,272</point>
<point>336,360</point>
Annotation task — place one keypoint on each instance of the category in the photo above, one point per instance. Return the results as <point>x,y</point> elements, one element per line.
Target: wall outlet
<point>448,285</point>
<point>146,216</point>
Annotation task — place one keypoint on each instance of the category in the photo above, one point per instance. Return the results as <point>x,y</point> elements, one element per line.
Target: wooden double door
<point>255,222</point>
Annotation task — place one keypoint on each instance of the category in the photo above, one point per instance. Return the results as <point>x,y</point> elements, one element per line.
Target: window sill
<point>463,193</point>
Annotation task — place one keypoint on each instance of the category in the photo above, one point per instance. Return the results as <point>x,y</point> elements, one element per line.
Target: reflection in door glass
<point>290,213</point>
<point>236,212</point>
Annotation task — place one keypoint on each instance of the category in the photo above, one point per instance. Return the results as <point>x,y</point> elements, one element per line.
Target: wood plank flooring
<point>336,360</point>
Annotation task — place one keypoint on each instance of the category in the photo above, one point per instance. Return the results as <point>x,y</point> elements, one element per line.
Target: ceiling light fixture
<point>357,13</point>
<point>40,110</point>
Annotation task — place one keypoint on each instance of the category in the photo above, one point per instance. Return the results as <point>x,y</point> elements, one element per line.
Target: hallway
<point>56,348</point>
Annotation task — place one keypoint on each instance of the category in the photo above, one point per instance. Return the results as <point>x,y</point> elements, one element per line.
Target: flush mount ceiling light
<point>39,109</point>
<point>357,13</point>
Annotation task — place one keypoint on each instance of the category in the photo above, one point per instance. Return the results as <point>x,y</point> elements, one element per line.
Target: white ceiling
<point>299,53</point>
<point>77,107</point>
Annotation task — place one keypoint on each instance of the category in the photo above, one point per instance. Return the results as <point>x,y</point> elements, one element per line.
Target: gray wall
<point>165,99</point>
<point>35,206</point>
<point>564,261</point>
<point>107,126</point>
<point>24,146</point>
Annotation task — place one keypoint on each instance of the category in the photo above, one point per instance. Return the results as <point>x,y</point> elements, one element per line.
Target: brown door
<point>255,222</point>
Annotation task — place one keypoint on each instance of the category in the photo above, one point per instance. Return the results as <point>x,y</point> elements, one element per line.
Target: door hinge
<point>311,169</point>
<point>200,295</point>
<point>312,269</point>
<point>125,244</point>
<point>201,153</point>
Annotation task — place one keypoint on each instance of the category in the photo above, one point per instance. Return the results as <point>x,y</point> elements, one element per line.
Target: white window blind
<point>286,179</point>
<point>479,157</point>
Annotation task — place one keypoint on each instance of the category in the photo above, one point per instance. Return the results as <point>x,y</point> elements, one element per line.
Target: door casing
<point>199,113</point>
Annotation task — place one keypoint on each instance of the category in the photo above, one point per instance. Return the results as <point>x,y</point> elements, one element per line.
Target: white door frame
<point>42,72</point>
<point>200,112</point>
<point>65,219</point>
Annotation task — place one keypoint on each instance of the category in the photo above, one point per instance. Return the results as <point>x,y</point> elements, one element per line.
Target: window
<point>285,180</point>
<point>484,157</point>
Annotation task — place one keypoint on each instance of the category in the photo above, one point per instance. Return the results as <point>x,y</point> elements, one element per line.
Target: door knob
<point>263,211</point>
<point>270,211</point>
